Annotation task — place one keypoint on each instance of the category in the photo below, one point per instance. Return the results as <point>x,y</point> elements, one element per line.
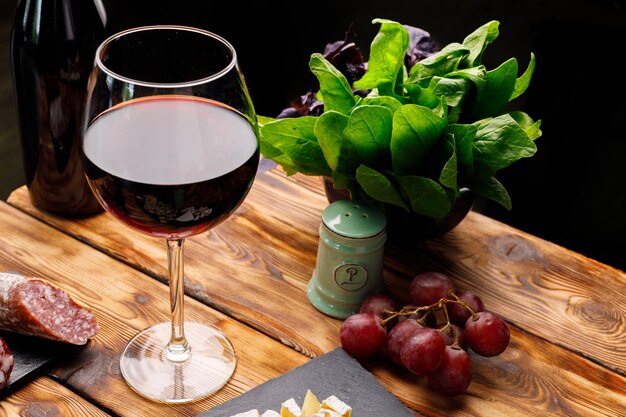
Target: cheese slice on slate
<point>310,405</point>
<point>270,413</point>
<point>290,408</point>
<point>335,404</point>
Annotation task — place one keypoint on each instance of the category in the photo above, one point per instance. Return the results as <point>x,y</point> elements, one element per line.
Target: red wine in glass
<point>170,149</point>
<point>171,179</point>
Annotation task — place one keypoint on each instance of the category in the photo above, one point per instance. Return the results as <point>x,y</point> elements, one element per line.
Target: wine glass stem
<point>177,350</point>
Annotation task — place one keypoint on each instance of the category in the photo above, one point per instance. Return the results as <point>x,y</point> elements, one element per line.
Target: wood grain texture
<point>264,255</point>
<point>125,301</point>
<point>547,290</point>
<point>44,397</point>
<point>531,378</point>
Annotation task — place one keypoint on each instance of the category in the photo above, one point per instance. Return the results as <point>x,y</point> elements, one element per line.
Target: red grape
<point>397,336</point>
<point>487,334</point>
<point>362,335</point>
<point>454,373</point>
<point>429,287</point>
<point>458,313</point>
<point>454,334</point>
<point>375,302</point>
<point>423,350</point>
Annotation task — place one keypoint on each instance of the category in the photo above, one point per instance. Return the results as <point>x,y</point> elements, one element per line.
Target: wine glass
<point>170,149</point>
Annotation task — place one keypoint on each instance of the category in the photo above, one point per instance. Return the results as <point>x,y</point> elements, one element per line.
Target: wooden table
<point>567,313</point>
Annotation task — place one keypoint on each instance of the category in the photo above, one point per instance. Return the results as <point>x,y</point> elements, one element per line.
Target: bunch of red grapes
<point>430,337</point>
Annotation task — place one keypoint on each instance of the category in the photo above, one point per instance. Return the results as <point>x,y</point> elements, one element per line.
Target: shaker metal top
<point>353,219</point>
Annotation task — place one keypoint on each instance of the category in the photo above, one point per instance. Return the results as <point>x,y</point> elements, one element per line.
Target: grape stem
<point>439,305</point>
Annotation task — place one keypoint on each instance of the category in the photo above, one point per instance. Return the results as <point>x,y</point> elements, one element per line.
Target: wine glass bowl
<point>170,149</point>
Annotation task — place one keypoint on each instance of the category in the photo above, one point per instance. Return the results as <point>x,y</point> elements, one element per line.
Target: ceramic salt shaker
<point>349,261</point>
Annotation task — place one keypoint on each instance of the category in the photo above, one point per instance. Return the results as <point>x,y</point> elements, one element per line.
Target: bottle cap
<point>353,219</point>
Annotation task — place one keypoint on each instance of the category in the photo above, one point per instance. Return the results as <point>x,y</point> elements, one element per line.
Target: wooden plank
<point>125,301</point>
<point>265,286</point>
<point>46,397</point>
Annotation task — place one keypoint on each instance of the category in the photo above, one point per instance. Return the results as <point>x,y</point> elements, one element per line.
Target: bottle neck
<point>61,36</point>
<point>60,21</point>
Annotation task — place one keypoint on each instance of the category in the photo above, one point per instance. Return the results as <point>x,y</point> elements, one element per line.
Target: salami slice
<point>35,307</point>
<point>6,363</point>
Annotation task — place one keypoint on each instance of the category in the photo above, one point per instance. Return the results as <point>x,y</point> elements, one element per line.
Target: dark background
<point>571,192</point>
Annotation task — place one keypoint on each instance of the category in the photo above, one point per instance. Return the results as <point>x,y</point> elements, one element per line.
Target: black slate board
<point>335,373</point>
<point>29,355</point>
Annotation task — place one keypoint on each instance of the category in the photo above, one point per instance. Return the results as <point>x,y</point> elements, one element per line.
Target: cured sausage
<point>6,363</point>
<point>35,307</point>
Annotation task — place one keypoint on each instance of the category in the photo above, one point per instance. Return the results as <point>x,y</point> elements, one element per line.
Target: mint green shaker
<point>349,264</point>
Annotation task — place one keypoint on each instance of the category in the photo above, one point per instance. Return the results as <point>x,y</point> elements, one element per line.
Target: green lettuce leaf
<point>426,196</point>
<point>493,190</point>
<point>439,64</point>
<point>378,187</point>
<point>369,130</point>
<point>531,127</point>
<point>478,41</point>
<point>386,101</point>
<point>499,142</point>
<point>522,83</point>
<point>453,89</point>
<point>338,151</point>
<point>294,144</point>
<point>334,86</point>
<point>464,144</point>
<point>386,58</point>
<point>493,95</point>
<point>277,156</point>
<point>448,174</point>
<point>416,129</point>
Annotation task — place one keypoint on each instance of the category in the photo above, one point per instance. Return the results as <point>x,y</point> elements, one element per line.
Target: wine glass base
<point>148,372</point>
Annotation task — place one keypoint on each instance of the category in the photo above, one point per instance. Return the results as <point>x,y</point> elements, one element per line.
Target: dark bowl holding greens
<point>412,127</point>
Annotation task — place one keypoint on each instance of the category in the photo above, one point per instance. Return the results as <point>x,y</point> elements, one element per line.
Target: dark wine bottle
<point>53,44</point>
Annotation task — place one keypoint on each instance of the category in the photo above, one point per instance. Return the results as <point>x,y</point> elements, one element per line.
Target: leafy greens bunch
<point>420,134</point>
